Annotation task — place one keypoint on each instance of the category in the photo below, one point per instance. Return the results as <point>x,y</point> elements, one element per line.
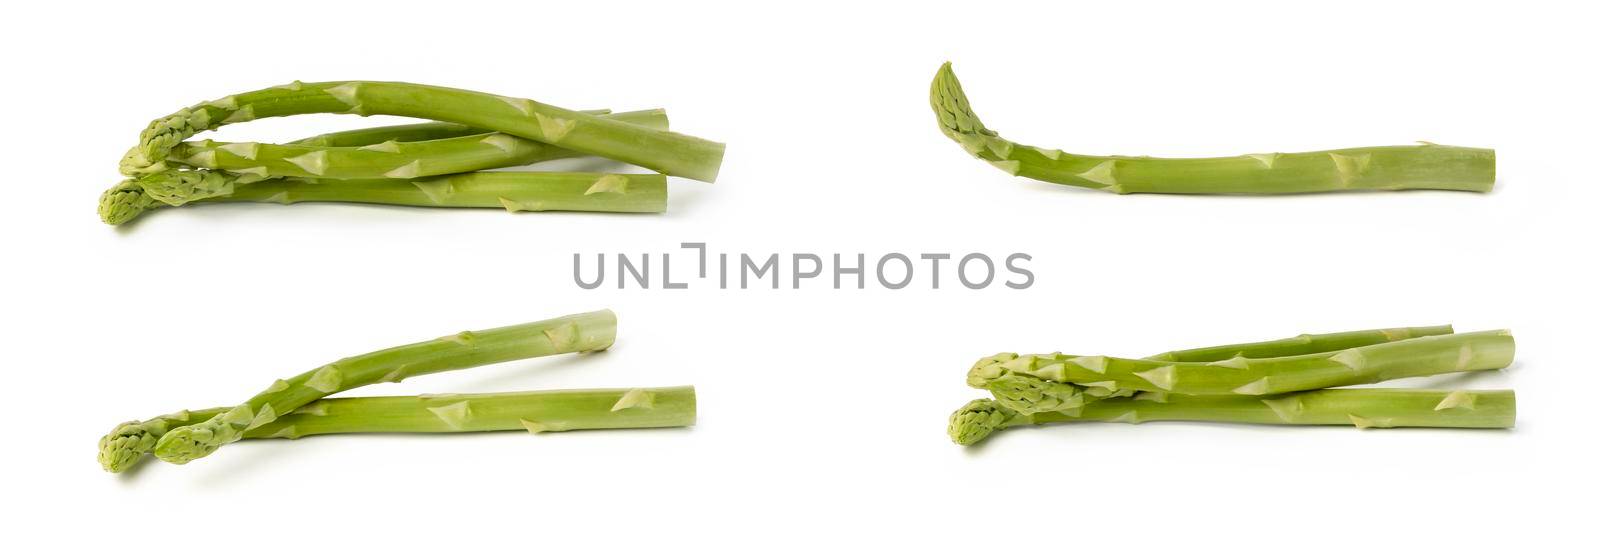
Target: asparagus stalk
<point>575,333</point>
<point>655,119</point>
<point>1427,166</point>
<point>1100,376</point>
<point>1362,408</point>
<point>537,412</point>
<point>1301,344</point>
<point>664,152</point>
<point>384,159</point>
<point>512,191</point>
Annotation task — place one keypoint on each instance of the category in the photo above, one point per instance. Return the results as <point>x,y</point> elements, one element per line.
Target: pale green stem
<point>1427,166</point>
<point>575,333</point>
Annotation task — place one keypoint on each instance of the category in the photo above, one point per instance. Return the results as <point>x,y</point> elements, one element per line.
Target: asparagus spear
<point>1428,166</point>
<point>1101,376</point>
<point>1362,408</point>
<point>1028,394</point>
<point>536,412</point>
<point>575,333</point>
<point>655,119</point>
<point>1301,344</point>
<point>384,159</point>
<point>664,152</point>
<point>512,191</point>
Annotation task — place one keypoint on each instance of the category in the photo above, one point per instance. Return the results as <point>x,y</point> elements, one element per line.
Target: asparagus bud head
<point>1029,395</point>
<point>187,443</point>
<point>124,446</point>
<point>976,420</point>
<point>124,202</point>
<point>178,187</point>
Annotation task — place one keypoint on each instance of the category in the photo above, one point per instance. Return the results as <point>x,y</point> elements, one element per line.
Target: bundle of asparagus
<point>1426,166</point>
<point>295,407</point>
<point>429,164</point>
<point>1282,381</point>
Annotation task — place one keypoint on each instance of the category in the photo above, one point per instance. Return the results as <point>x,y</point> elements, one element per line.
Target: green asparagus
<point>1301,344</point>
<point>1427,166</point>
<point>537,412</point>
<point>575,333</point>
<point>1028,394</point>
<point>384,159</point>
<point>655,119</point>
<point>1362,408</point>
<point>664,152</point>
<point>1036,383</point>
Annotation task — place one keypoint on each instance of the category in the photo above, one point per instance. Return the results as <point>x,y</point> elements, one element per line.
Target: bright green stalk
<point>664,152</point>
<point>1100,376</point>
<point>1028,394</point>
<point>536,412</point>
<point>1362,408</point>
<point>435,413</point>
<point>575,333</point>
<point>1427,166</point>
<point>385,159</point>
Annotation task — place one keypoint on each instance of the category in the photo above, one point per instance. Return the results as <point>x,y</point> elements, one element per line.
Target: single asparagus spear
<point>1028,394</point>
<point>1427,166</point>
<point>512,191</point>
<point>1362,408</point>
<point>665,152</point>
<point>537,412</point>
<point>655,119</point>
<point>1101,376</point>
<point>575,333</point>
<point>1301,344</point>
<point>385,159</point>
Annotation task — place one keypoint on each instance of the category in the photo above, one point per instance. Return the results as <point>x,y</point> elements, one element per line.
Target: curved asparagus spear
<point>1427,166</point>
<point>665,152</point>
<point>1028,394</point>
<point>574,333</point>
<point>1101,376</point>
<point>537,411</point>
<point>1362,408</point>
<point>384,159</point>
<point>655,119</point>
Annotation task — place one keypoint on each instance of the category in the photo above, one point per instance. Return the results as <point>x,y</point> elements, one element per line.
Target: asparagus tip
<point>975,421</point>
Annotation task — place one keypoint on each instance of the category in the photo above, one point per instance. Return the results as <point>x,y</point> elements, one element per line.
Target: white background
<point>819,407</point>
